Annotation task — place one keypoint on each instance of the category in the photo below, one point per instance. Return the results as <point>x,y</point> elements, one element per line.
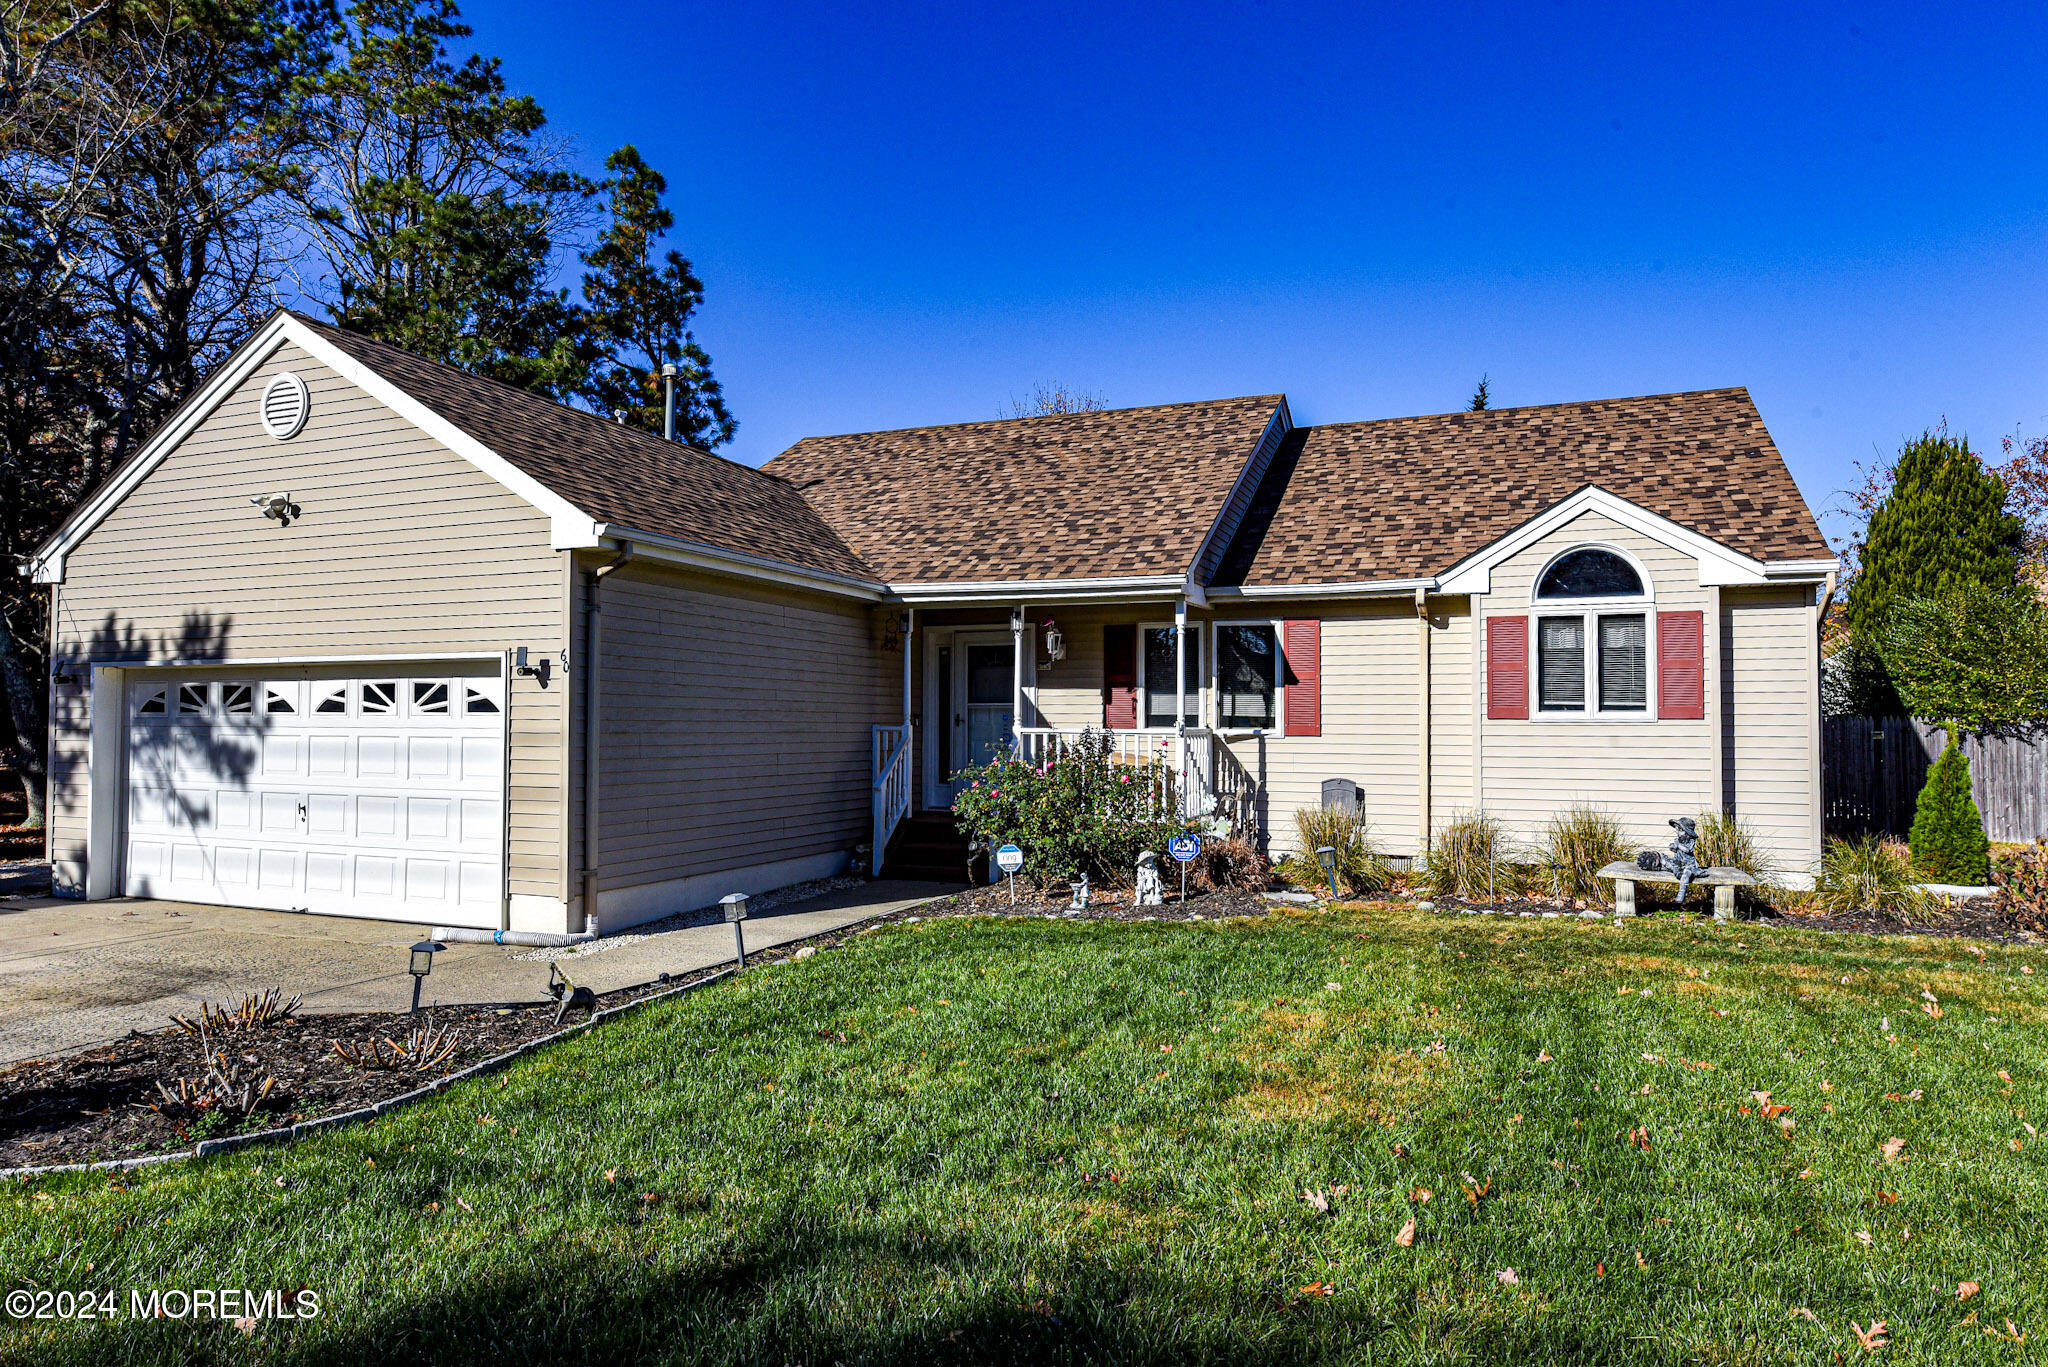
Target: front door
<point>984,684</point>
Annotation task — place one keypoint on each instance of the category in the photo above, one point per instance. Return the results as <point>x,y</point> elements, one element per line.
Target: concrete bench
<point>1724,881</point>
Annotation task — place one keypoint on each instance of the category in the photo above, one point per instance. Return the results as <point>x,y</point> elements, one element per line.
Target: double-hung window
<point>1247,675</point>
<point>1159,650</point>
<point>1592,637</point>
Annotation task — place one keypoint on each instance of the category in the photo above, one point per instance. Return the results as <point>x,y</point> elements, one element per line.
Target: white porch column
<point>1180,688</point>
<point>1017,678</point>
<point>909,630</point>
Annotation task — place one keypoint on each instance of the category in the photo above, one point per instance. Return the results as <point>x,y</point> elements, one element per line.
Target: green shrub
<point>1471,858</point>
<point>1948,841</point>
<point>1081,811</point>
<point>1869,875</point>
<point>1582,842</point>
<point>1362,869</point>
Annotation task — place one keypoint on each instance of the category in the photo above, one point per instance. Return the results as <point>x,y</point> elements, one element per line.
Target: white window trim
<point>1278,627</point>
<point>1590,611</point>
<point>1590,616</point>
<point>1199,645</point>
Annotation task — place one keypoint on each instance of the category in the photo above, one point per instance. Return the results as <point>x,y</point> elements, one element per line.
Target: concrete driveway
<point>77,974</point>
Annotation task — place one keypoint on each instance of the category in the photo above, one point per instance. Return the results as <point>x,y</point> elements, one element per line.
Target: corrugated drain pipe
<point>593,639</point>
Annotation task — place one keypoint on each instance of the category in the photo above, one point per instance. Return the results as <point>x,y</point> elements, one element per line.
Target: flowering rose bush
<point>1081,811</point>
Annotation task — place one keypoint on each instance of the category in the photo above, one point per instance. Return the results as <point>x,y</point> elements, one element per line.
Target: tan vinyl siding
<point>404,549</point>
<point>1450,716</point>
<point>1641,772</point>
<point>1768,716</point>
<point>736,725</point>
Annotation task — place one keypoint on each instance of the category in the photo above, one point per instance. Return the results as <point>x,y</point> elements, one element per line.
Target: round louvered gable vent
<point>285,403</point>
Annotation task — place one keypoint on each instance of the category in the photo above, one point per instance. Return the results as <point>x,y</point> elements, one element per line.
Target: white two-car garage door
<point>344,792</point>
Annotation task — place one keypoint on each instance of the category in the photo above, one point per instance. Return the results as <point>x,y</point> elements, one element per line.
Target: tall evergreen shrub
<point>1948,841</point>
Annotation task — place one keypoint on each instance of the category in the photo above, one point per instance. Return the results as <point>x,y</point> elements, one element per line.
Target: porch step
<point>930,846</point>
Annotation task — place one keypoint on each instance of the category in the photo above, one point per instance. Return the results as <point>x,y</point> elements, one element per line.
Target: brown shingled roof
<point>1124,492</point>
<point>615,473</point>
<point>1407,498</point>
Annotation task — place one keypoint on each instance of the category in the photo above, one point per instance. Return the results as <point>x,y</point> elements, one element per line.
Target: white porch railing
<point>1197,765</point>
<point>891,803</point>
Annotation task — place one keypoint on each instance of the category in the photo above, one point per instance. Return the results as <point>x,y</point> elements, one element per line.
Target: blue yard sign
<point>1184,847</point>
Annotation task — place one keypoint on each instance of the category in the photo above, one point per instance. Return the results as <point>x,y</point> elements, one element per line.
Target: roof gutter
<point>970,593</point>
<point>1354,588</point>
<point>696,555</point>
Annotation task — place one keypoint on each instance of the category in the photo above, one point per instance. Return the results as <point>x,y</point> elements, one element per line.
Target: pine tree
<point>1944,526</point>
<point>1949,845</point>
<point>1482,397</point>
<point>641,300</point>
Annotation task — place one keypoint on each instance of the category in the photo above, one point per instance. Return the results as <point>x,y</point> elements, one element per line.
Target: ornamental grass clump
<point>1362,868</point>
<point>1583,841</point>
<point>1471,858</point>
<point>1727,843</point>
<point>1869,874</point>
<point>1947,839</point>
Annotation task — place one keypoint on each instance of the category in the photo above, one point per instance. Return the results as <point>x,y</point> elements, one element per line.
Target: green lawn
<point>1042,1141</point>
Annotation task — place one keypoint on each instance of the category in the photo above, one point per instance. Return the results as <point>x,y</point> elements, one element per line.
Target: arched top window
<point>1590,572</point>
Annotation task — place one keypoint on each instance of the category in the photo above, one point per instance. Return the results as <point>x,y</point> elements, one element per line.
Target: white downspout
<point>1017,681</point>
<point>1422,724</point>
<point>593,638</point>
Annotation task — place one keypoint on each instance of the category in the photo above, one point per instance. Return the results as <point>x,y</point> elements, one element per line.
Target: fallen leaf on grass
<point>1506,1277</point>
<point>1316,1199</point>
<point>1873,1338</point>
<point>611,1174</point>
<point>1641,1261</point>
<point>1803,1313</point>
<point>1890,1198</point>
<point>246,1325</point>
<point>1892,1148</point>
<point>1965,1290</point>
<point>1474,1189</point>
<point>1599,1269</point>
<point>1406,1238</point>
<point>1863,1237</point>
<point>1419,1195</point>
<point>465,1205</point>
<point>1653,1058</point>
<point>1640,1137</point>
<point>1318,1289</point>
<point>1543,1056</point>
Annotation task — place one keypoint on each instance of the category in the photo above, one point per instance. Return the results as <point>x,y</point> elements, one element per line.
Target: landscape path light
<point>1327,857</point>
<point>735,904</point>
<point>421,965</point>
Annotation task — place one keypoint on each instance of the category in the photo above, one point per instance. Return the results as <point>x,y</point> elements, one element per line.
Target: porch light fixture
<point>533,670</point>
<point>735,904</point>
<point>422,964</point>
<point>1327,856</point>
<point>1055,643</point>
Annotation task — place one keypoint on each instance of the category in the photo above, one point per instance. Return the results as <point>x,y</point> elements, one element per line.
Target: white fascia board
<point>1281,418</point>
<point>570,526</point>
<point>1718,564</point>
<point>669,550</point>
<point>1355,588</point>
<point>973,592</point>
<point>1801,569</point>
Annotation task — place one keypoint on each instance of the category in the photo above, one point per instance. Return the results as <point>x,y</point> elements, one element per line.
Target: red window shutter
<point>1301,647</point>
<point>1681,669</point>
<point>1120,678</point>
<point>1507,668</point>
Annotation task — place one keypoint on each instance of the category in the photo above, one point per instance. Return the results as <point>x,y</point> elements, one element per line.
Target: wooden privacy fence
<point>1872,770</point>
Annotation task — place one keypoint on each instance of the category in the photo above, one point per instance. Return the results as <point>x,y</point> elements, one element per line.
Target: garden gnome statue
<point>1151,892</point>
<point>1080,887</point>
<point>1679,858</point>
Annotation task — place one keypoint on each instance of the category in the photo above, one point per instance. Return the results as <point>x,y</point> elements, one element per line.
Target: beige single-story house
<point>358,633</point>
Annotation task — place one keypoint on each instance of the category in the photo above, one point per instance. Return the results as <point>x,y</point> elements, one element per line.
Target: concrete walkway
<point>77,974</point>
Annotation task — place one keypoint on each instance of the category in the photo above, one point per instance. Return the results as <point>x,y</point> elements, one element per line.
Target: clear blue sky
<point>910,213</point>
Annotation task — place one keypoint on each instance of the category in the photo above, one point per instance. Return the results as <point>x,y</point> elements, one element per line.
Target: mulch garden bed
<point>1104,904</point>
<point>1979,918</point>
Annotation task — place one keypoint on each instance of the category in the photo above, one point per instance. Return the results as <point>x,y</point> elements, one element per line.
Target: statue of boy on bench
<point>1679,858</point>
